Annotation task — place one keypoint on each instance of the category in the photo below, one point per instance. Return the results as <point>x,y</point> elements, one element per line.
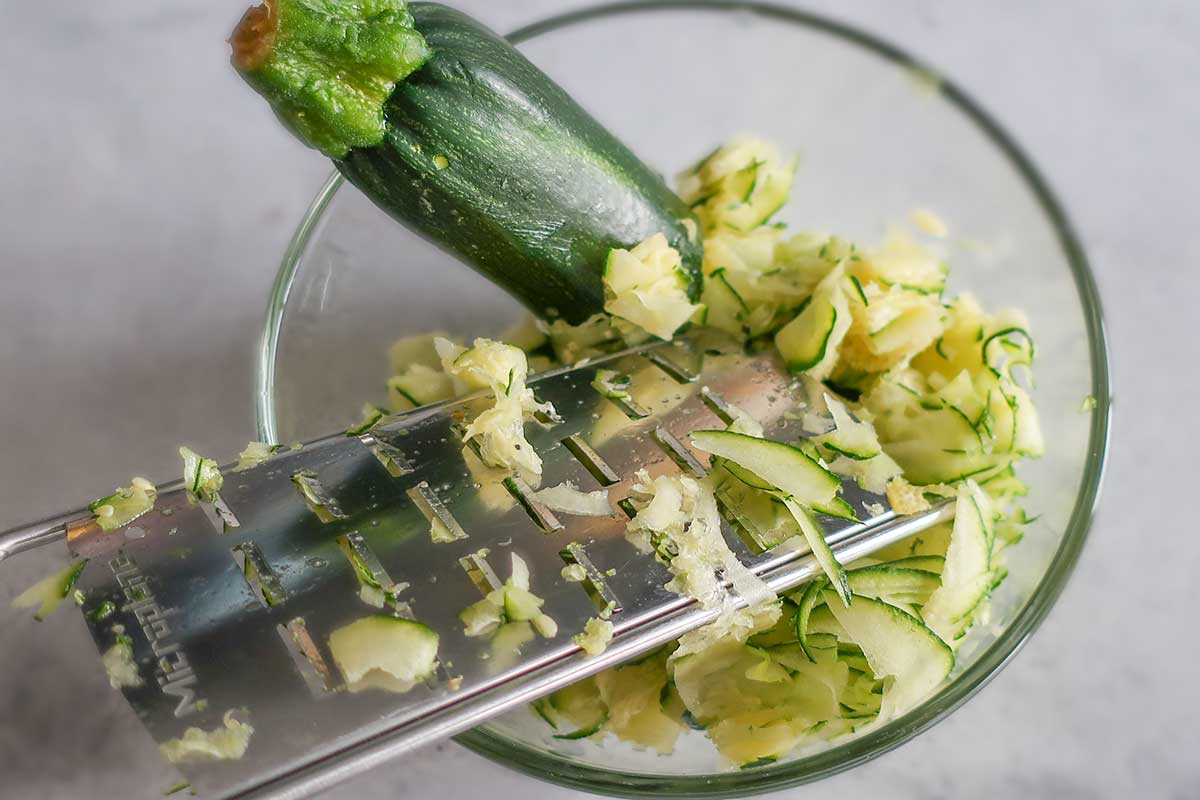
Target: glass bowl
<point>879,134</point>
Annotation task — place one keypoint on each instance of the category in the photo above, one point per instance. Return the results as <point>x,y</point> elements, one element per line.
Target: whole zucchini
<point>454,133</point>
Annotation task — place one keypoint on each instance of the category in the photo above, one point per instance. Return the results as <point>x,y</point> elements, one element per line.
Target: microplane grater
<point>230,604</point>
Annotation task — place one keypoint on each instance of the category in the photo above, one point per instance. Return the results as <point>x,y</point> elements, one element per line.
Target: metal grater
<point>230,604</point>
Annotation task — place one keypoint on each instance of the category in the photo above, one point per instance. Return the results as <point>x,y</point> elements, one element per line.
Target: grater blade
<point>230,604</point>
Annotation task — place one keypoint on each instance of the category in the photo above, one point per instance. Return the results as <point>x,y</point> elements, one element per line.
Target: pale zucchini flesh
<point>910,393</point>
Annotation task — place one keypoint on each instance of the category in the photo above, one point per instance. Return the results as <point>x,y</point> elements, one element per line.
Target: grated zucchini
<point>648,287</point>
<point>569,500</point>
<point>499,431</point>
<point>230,741</point>
<point>255,453</point>
<point>118,661</point>
<point>124,505</point>
<point>739,186</point>
<point>596,635</point>
<point>48,593</point>
<point>911,393</point>
<point>511,603</point>
<point>201,476</point>
<point>384,652</point>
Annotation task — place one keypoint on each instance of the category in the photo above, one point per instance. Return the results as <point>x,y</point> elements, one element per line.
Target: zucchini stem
<point>254,37</point>
<point>328,68</point>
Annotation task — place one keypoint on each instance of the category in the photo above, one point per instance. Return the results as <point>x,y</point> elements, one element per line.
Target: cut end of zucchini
<point>327,69</point>
<point>648,287</point>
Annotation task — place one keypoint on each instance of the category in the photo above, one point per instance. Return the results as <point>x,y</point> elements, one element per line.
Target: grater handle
<point>33,535</point>
<point>40,533</point>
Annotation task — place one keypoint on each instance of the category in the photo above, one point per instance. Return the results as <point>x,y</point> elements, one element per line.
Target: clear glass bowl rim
<point>564,771</point>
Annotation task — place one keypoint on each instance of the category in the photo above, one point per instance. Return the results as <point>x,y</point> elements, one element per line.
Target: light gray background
<point>145,196</point>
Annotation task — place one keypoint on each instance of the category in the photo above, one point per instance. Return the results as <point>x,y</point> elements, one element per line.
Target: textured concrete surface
<point>145,198</point>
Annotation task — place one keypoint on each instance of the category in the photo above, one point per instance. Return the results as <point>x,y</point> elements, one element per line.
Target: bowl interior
<point>878,137</point>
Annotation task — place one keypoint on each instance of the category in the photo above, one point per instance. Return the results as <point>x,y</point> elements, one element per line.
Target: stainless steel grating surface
<point>230,605</point>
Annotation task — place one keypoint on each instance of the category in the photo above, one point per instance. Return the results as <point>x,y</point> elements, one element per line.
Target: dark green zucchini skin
<point>535,191</point>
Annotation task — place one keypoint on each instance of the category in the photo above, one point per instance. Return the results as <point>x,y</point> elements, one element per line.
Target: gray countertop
<point>137,261</point>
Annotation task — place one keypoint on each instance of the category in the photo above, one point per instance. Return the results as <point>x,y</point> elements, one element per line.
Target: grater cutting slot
<point>259,575</point>
<point>443,526</point>
<point>304,591</point>
<point>594,584</point>
<point>366,564</point>
<point>388,455</point>
<point>742,525</point>
<point>542,516</point>
<point>219,514</point>
<point>626,505</point>
<point>480,572</point>
<point>591,460</point>
<point>377,587</point>
<point>614,387</point>
<point>318,498</point>
<point>682,457</point>
<point>677,372</point>
<point>718,405</point>
<point>305,654</point>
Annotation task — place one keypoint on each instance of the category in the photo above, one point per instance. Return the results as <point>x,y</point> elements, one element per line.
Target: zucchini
<point>228,741</point>
<point>740,185</point>
<point>450,130</point>
<point>774,464</point>
<point>119,664</point>
<point>565,497</point>
<point>798,481</point>
<point>899,645</point>
<point>124,505</point>
<point>419,385</point>
<point>596,635</point>
<point>903,263</point>
<point>372,415</point>
<point>632,694</point>
<point>809,343</point>
<point>201,476</point>
<point>48,593</point>
<point>967,576</point>
<point>612,384</point>
<point>647,287</point>
<point>726,308</point>
<point>255,453</point>
<point>820,548</point>
<point>511,603</point>
<point>384,652</point>
<point>499,431</point>
<point>851,438</point>
<point>580,705</point>
<point>808,602</point>
<point>892,583</point>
